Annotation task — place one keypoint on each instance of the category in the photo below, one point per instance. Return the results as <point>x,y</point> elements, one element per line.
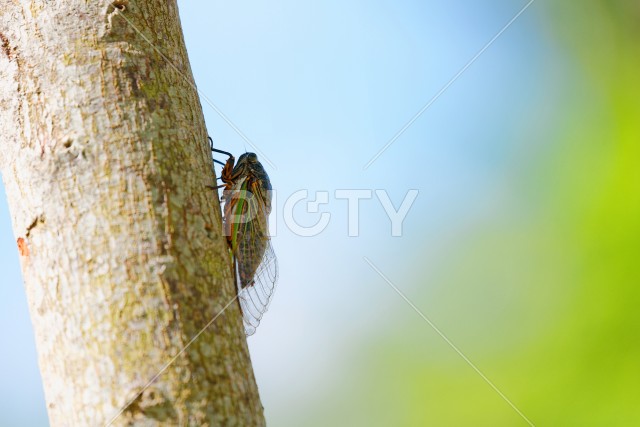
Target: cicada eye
<point>252,157</point>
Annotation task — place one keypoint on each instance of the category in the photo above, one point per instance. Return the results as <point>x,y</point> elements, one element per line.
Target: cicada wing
<point>255,297</point>
<point>256,263</point>
<point>234,198</point>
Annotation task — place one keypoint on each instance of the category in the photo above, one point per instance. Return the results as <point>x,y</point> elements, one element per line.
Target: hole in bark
<point>120,4</point>
<point>38,220</point>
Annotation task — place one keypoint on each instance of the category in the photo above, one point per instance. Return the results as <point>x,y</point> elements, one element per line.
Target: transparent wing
<point>255,260</point>
<point>256,296</point>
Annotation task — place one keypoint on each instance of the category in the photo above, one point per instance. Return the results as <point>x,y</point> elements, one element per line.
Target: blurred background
<point>522,247</point>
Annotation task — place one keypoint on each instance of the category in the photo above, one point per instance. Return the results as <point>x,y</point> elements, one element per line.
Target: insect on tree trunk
<point>105,159</point>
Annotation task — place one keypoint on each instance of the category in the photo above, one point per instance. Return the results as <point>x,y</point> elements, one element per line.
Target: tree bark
<point>105,161</point>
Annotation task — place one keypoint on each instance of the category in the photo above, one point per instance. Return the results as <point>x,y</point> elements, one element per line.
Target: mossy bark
<point>106,164</point>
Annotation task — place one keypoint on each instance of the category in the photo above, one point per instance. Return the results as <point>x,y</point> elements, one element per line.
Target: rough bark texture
<point>105,161</point>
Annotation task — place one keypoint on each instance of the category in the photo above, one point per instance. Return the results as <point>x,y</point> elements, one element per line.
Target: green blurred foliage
<point>545,302</point>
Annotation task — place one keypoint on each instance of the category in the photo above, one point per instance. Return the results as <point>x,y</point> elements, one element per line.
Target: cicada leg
<point>215,150</point>
<point>227,167</point>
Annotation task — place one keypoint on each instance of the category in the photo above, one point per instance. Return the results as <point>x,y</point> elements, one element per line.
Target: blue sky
<point>320,88</point>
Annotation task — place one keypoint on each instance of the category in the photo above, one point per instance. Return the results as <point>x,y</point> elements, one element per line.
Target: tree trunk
<point>106,165</point>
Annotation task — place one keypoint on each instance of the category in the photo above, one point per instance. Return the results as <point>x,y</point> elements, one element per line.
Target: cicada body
<point>247,205</point>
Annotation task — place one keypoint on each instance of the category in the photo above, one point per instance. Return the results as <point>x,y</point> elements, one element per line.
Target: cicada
<point>247,205</point>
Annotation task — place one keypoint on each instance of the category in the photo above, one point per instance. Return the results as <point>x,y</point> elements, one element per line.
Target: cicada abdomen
<point>247,205</point>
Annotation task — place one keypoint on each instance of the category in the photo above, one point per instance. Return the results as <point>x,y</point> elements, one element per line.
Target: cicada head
<point>248,165</point>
